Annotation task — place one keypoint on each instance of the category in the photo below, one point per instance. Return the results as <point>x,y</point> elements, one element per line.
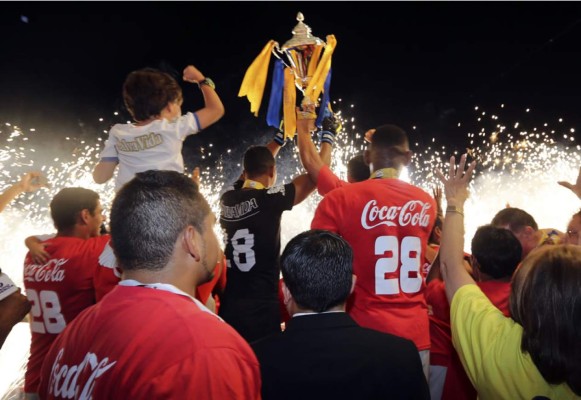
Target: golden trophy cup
<point>304,64</point>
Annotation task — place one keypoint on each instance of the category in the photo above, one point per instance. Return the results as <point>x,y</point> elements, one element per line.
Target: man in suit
<point>323,353</point>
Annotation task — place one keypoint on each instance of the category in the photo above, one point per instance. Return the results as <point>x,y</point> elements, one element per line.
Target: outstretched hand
<point>437,193</point>
<point>575,188</point>
<point>32,181</point>
<point>456,184</point>
<point>332,124</point>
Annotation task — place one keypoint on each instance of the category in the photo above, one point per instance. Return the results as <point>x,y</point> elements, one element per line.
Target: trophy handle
<point>276,51</point>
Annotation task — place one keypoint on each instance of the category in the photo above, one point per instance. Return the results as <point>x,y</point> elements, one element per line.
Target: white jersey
<point>157,145</point>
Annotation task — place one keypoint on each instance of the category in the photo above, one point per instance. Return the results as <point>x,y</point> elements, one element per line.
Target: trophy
<point>307,67</point>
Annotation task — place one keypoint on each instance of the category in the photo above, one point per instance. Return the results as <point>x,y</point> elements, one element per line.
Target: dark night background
<point>410,63</point>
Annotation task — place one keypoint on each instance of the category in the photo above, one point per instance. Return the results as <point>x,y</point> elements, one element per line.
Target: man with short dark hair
<point>63,285</point>
<point>387,222</point>
<point>525,228</point>
<point>149,337</point>
<point>251,212</point>
<point>323,353</point>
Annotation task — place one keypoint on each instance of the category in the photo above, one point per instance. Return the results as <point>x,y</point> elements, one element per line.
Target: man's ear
<point>367,157</point>
<point>286,294</point>
<point>84,216</point>
<point>190,242</point>
<point>529,231</point>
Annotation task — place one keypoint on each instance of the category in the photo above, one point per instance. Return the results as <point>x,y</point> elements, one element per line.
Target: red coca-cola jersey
<point>59,290</point>
<point>149,343</point>
<point>387,222</point>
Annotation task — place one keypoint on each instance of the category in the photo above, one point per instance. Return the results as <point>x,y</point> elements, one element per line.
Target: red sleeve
<point>327,214</point>
<point>327,181</point>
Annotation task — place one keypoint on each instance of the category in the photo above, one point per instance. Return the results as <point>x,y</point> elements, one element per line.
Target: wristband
<point>454,209</point>
<point>327,137</point>
<point>207,82</point>
<point>279,137</point>
<point>7,287</point>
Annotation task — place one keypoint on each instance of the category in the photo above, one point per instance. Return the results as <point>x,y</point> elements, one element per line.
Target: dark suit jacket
<point>329,356</point>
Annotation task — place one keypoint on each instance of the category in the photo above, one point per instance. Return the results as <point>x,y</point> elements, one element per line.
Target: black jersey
<point>251,221</point>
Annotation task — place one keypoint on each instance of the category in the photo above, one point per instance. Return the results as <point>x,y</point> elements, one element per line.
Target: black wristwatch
<point>209,82</point>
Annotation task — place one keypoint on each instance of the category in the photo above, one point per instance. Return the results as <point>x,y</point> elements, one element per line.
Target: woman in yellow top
<point>537,352</point>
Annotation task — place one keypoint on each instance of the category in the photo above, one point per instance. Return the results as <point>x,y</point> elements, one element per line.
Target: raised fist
<point>332,124</point>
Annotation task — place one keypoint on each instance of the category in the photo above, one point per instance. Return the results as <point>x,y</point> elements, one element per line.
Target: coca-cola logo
<point>50,272</point>
<point>64,380</point>
<point>414,213</point>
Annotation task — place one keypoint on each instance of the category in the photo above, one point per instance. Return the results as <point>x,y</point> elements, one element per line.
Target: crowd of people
<point>377,300</point>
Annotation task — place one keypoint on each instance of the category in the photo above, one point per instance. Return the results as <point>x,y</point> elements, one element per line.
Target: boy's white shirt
<point>157,145</point>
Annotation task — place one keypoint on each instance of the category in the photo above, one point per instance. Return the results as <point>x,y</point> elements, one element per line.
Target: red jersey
<point>204,291</point>
<point>387,222</point>
<point>58,290</point>
<point>457,384</point>
<point>146,343</point>
<point>327,181</point>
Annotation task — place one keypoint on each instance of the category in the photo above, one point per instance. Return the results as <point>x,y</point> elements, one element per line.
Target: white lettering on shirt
<point>64,380</point>
<point>140,143</point>
<point>50,272</point>
<point>414,212</point>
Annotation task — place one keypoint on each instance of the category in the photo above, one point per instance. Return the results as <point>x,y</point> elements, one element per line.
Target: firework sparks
<point>518,164</point>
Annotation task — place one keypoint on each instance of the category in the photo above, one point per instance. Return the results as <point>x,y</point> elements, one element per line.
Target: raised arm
<point>276,143</point>
<point>308,154</point>
<point>452,242</point>
<point>576,187</point>
<point>304,186</point>
<point>312,160</point>
<point>29,182</point>
<point>213,108</point>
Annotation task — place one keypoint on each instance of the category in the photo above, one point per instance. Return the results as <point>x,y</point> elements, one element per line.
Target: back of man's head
<point>357,170</point>
<point>497,251</point>
<point>148,215</point>
<point>66,205</point>
<point>514,219</point>
<point>317,269</point>
<point>390,137</point>
<point>146,92</point>
<point>257,161</point>
<point>389,148</point>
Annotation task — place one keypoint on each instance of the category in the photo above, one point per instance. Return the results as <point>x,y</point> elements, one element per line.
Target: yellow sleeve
<point>476,324</point>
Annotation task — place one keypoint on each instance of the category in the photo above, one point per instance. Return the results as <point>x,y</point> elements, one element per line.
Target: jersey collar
<point>385,173</point>
<point>249,183</point>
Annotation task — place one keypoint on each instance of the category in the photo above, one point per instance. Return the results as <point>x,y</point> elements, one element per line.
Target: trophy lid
<point>301,35</point>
